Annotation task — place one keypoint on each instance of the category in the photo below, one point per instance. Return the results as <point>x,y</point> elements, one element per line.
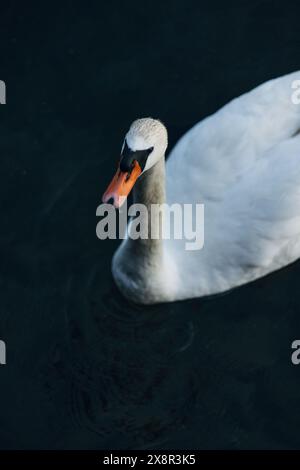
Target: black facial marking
<point>128,156</point>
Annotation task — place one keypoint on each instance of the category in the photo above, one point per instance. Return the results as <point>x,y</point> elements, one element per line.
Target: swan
<point>243,164</point>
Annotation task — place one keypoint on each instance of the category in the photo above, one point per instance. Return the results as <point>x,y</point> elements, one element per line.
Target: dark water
<point>86,369</point>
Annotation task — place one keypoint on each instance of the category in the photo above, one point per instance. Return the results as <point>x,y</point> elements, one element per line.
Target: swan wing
<point>259,219</point>
<point>213,154</point>
<point>243,164</point>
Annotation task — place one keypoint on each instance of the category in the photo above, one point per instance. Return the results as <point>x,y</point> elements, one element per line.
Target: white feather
<point>243,164</point>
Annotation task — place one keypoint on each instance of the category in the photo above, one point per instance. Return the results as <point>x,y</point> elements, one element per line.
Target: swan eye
<point>128,156</point>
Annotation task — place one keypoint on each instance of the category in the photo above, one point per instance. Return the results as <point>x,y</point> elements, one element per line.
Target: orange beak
<point>121,185</point>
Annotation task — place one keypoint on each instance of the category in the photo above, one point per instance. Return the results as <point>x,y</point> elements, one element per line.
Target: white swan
<point>243,164</point>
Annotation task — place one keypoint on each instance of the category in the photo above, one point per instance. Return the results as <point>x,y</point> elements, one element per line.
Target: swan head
<point>144,145</point>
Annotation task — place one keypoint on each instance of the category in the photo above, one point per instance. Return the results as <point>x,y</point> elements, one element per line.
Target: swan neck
<point>138,264</point>
<point>150,188</point>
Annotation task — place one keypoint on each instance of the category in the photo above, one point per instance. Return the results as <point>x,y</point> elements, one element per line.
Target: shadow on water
<point>128,381</point>
<point>194,374</point>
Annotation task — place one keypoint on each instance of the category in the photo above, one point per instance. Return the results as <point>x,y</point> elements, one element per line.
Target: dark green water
<point>85,369</point>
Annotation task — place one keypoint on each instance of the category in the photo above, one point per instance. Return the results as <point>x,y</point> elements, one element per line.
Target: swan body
<point>243,164</point>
